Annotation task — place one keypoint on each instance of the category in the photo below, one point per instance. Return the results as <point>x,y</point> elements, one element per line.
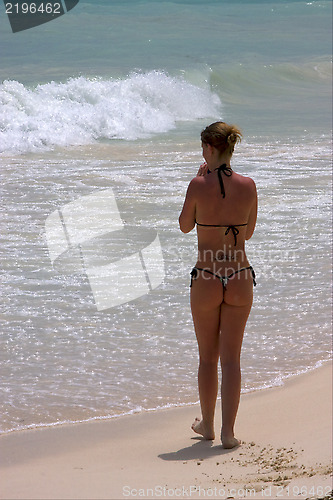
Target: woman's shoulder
<point>198,181</point>
<point>245,188</point>
<point>245,181</point>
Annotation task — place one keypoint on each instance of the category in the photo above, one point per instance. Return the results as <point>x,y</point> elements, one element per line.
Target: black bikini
<point>231,227</point>
<point>224,280</point>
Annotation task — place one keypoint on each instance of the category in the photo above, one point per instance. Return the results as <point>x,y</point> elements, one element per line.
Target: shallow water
<point>65,360</point>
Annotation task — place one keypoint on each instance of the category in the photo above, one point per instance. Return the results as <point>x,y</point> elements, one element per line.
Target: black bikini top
<point>231,227</point>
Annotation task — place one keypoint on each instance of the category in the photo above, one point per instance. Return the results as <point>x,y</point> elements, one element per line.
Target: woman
<point>223,205</point>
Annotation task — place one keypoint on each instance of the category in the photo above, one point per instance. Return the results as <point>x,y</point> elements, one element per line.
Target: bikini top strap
<point>227,171</point>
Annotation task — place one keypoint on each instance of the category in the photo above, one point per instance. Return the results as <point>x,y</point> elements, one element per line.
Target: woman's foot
<point>199,427</point>
<point>229,442</point>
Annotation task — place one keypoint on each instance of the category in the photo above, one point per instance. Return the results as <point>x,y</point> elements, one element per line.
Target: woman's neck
<point>218,161</point>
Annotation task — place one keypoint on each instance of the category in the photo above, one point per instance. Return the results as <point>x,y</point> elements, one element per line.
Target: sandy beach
<point>286,452</point>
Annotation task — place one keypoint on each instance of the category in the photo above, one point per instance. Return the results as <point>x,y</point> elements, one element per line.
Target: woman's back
<point>224,222</point>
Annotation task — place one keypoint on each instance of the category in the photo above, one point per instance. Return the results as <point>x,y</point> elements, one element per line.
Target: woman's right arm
<point>203,170</point>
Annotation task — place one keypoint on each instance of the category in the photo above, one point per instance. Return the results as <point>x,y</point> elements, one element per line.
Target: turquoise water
<point>113,95</point>
<point>267,60</point>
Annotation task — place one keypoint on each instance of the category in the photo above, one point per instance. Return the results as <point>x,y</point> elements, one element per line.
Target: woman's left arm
<point>251,224</point>
<point>187,216</point>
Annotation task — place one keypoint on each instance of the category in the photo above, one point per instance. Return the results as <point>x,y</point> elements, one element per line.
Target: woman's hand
<point>202,170</point>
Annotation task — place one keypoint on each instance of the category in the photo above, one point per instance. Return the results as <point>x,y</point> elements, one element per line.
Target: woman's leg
<point>206,298</point>
<point>232,325</point>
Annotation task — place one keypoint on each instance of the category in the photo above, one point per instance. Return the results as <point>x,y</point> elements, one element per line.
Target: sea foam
<point>82,110</point>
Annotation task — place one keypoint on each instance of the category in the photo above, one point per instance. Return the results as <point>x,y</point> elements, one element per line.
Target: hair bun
<point>232,139</point>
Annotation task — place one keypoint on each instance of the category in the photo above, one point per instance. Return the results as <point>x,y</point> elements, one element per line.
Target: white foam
<point>83,110</point>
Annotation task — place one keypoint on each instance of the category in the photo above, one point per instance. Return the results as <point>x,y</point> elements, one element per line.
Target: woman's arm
<point>187,216</point>
<point>251,224</point>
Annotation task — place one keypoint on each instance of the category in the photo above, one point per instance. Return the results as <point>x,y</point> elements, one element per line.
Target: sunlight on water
<point>65,360</point>
<point>110,101</point>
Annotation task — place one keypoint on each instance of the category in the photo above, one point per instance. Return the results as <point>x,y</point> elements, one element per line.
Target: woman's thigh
<point>206,299</point>
<point>232,326</point>
<point>235,310</point>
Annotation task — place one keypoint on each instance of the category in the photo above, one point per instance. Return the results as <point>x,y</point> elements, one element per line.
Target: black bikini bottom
<point>224,280</point>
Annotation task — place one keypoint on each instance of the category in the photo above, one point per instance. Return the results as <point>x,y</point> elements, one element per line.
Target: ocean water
<point>111,98</point>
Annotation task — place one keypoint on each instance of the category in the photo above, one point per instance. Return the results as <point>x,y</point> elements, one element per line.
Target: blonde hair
<point>222,136</point>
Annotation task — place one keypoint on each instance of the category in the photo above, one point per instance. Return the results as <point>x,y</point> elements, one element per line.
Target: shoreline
<point>286,435</point>
<point>172,406</point>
